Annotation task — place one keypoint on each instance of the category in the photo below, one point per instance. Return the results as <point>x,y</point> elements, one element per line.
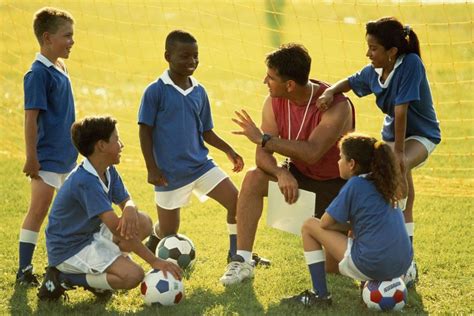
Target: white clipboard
<point>286,217</point>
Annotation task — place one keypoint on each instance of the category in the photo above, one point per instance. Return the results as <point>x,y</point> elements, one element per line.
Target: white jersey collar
<point>45,61</point>
<point>90,168</point>
<point>379,71</point>
<point>165,77</point>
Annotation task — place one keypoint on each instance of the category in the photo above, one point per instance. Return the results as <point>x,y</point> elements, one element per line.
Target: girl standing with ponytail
<point>379,248</point>
<point>398,79</point>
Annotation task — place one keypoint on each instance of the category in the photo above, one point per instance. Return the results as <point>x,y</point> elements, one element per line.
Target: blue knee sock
<point>233,244</point>
<point>74,279</point>
<point>26,251</point>
<point>26,248</point>
<point>318,278</point>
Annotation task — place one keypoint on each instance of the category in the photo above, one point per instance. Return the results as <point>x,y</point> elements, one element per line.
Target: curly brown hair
<point>376,159</point>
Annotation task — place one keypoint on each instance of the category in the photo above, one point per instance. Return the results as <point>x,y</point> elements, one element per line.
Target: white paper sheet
<point>284,216</point>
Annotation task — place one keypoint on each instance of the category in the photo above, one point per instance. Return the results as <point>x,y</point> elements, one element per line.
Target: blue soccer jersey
<point>381,248</point>
<point>179,118</point>
<point>48,89</point>
<point>74,216</point>
<point>407,83</point>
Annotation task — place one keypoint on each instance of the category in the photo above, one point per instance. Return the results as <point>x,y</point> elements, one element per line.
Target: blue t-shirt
<point>48,89</point>
<point>381,248</point>
<point>74,216</point>
<point>407,83</point>
<point>179,118</point>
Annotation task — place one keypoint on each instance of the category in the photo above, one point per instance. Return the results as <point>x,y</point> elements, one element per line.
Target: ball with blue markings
<point>385,295</point>
<point>156,289</point>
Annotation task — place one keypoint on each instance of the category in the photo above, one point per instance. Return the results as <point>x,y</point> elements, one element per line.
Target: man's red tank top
<point>325,168</point>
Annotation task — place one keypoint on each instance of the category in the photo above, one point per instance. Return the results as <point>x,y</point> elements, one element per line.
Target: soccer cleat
<point>152,243</point>
<point>308,299</point>
<point>257,260</point>
<point>100,294</point>
<point>52,289</point>
<point>411,276</point>
<point>237,271</point>
<point>26,277</point>
<point>260,261</point>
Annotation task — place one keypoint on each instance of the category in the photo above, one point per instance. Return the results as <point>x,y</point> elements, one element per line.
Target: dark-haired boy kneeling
<point>86,240</point>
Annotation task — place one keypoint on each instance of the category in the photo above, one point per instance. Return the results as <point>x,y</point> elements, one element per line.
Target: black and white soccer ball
<point>177,249</point>
<point>156,289</point>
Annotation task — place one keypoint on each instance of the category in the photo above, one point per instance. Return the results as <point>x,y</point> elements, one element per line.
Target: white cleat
<point>236,272</point>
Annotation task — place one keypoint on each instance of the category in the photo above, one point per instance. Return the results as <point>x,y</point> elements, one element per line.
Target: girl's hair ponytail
<point>377,160</point>
<point>385,172</point>
<point>390,32</point>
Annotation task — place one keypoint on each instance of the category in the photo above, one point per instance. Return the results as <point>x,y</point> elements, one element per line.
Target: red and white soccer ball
<point>156,289</point>
<point>177,249</point>
<point>385,295</point>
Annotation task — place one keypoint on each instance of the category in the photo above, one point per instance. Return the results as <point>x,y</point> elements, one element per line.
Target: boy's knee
<point>133,277</point>
<point>145,225</point>
<point>310,225</point>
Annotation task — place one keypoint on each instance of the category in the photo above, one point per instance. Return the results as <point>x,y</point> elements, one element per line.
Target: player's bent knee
<point>145,225</point>
<point>133,277</point>
<point>310,225</point>
<point>254,178</point>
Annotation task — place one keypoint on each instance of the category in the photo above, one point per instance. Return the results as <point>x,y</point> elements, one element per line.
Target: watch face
<point>265,139</point>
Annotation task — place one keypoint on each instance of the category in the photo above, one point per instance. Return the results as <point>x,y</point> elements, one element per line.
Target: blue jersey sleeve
<point>410,81</point>
<point>93,199</point>
<point>340,207</point>
<point>360,81</point>
<point>36,83</point>
<point>205,114</point>
<point>149,105</point>
<point>119,191</point>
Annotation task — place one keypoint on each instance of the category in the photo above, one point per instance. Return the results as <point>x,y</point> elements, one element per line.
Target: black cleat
<point>152,243</point>
<point>25,276</point>
<point>52,289</point>
<point>100,294</point>
<point>260,261</point>
<point>264,262</point>
<point>309,299</point>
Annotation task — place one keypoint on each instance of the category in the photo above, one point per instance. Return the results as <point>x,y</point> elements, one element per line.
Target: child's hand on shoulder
<point>325,100</point>
<point>168,267</point>
<point>237,160</point>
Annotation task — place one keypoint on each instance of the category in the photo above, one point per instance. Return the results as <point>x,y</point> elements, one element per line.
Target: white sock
<point>98,281</point>
<point>314,256</point>
<point>410,229</point>
<point>154,229</point>
<point>402,203</point>
<point>28,236</point>
<point>247,255</point>
<point>232,229</point>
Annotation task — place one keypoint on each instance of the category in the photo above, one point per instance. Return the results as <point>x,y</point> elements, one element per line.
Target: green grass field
<point>118,51</point>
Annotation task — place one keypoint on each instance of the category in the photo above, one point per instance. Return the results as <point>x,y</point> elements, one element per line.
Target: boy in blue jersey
<point>175,123</point>
<point>85,239</point>
<point>49,114</point>
<point>379,248</point>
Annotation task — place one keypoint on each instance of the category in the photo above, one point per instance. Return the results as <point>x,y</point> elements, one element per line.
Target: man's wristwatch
<point>265,139</point>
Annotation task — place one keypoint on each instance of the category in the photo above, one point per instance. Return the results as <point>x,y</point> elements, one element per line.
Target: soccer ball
<point>385,295</point>
<point>411,275</point>
<point>156,289</point>
<point>178,249</point>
